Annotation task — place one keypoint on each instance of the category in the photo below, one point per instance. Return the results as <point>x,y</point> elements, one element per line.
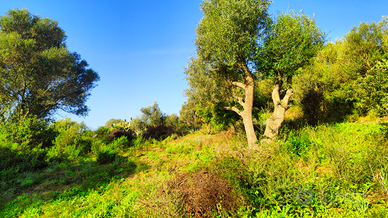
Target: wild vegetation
<point>274,126</point>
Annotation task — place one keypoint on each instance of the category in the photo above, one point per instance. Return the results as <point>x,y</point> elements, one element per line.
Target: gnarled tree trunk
<point>275,121</point>
<point>247,104</point>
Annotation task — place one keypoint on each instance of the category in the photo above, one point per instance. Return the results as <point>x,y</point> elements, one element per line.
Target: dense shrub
<point>119,143</point>
<point>13,163</point>
<point>158,132</point>
<point>21,160</point>
<point>106,155</point>
<point>118,133</point>
<point>297,145</point>
<point>27,133</point>
<point>102,133</point>
<point>21,143</point>
<point>313,107</point>
<point>71,141</point>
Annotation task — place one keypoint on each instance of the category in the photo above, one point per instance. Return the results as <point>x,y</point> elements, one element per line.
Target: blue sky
<point>139,48</point>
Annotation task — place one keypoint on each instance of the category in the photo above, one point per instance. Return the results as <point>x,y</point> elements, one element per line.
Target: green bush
<point>21,149</point>
<point>21,160</point>
<point>26,134</point>
<point>106,155</point>
<point>72,140</point>
<point>297,145</point>
<point>119,143</point>
<point>102,133</point>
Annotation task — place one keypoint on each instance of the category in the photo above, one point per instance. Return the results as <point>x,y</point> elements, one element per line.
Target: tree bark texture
<point>274,122</point>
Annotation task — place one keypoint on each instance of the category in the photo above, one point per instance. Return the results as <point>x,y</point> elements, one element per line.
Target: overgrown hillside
<point>336,170</point>
<point>278,122</point>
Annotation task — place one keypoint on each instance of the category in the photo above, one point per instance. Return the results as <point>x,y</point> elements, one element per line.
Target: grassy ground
<point>337,170</point>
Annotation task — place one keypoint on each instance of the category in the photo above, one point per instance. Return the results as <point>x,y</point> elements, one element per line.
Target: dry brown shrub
<point>203,193</point>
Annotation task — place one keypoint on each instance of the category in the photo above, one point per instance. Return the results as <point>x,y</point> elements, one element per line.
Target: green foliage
<point>26,134</point>
<point>293,39</point>
<point>138,125</point>
<point>152,115</point>
<point>297,145</point>
<point>337,166</point>
<point>106,155</point>
<point>22,148</point>
<point>172,120</point>
<point>70,142</point>
<point>119,144</point>
<point>22,161</point>
<point>372,94</point>
<point>350,73</point>
<point>230,31</point>
<point>340,169</point>
<point>155,124</point>
<point>112,122</point>
<point>102,133</point>
<point>38,74</point>
<point>123,126</point>
<point>216,117</point>
<point>188,114</point>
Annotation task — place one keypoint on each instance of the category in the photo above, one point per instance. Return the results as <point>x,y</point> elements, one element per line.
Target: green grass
<point>334,170</point>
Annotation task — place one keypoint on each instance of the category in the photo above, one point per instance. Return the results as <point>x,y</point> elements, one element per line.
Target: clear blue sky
<point>139,48</point>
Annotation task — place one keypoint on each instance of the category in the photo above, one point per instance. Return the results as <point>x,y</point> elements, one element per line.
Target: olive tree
<point>228,38</point>
<point>293,40</point>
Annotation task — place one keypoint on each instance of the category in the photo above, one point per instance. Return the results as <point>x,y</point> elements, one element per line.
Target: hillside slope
<point>335,170</point>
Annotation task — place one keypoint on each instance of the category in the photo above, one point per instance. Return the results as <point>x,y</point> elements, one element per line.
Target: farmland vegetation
<point>273,126</point>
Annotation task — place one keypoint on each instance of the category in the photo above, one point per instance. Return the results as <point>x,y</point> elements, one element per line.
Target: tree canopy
<point>38,74</point>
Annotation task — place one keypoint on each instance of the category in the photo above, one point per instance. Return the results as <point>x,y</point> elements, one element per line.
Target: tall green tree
<point>188,114</point>
<point>228,38</point>
<point>152,115</point>
<point>292,41</point>
<point>38,74</point>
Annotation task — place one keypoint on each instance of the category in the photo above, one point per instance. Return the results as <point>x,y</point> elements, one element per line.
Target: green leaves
<point>292,41</point>
<point>38,74</point>
<point>229,31</point>
<point>372,93</point>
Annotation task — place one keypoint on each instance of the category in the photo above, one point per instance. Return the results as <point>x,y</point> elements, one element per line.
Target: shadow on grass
<point>65,181</point>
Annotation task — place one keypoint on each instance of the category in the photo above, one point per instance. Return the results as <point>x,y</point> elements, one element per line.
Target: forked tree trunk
<point>274,122</point>
<point>247,104</point>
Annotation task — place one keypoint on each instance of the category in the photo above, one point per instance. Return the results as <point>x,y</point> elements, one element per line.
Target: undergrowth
<point>334,170</point>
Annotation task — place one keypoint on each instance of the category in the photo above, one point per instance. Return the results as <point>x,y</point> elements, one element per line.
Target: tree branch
<point>276,95</point>
<point>287,97</point>
<point>234,109</point>
<point>239,84</point>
